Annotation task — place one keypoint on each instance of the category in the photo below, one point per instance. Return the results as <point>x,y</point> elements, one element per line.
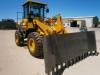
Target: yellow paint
<point>17,39</point>
<point>46,28</point>
<point>29,25</point>
<point>32,46</point>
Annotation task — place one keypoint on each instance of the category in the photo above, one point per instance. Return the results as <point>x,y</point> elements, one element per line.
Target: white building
<point>88,21</point>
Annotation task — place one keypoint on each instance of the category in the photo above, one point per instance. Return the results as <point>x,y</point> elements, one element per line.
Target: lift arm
<point>50,29</point>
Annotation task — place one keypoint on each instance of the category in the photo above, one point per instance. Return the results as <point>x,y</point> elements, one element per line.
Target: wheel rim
<point>31,45</point>
<point>17,39</point>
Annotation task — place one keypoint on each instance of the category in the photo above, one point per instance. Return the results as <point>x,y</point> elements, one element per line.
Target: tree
<point>7,24</point>
<point>96,21</point>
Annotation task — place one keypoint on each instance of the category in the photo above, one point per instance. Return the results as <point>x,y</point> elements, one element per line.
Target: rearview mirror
<point>47,10</point>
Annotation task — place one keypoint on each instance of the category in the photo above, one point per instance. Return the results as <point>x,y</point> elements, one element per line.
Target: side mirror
<point>47,10</point>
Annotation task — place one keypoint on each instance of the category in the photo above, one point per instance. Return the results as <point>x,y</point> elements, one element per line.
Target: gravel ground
<point>16,60</point>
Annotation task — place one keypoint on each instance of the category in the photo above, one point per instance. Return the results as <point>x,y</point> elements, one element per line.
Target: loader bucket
<point>63,50</point>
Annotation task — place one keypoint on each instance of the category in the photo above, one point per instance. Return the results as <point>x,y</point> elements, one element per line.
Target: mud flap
<point>62,51</point>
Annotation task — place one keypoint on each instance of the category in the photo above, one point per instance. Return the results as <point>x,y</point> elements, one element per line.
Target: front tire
<point>35,45</point>
<point>18,38</point>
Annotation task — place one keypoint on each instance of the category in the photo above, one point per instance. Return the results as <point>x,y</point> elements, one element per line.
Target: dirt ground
<point>16,60</point>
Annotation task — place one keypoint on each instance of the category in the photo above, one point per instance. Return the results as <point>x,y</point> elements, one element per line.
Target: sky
<point>67,8</point>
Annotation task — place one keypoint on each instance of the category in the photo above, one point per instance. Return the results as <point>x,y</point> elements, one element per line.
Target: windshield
<point>33,10</point>
<point>37,11</point>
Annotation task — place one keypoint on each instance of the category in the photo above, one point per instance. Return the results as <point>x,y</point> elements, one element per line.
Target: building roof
<point>81,17</point>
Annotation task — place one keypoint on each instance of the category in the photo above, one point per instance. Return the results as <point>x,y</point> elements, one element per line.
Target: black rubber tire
<point>19,38</point>
<point>38,51</point>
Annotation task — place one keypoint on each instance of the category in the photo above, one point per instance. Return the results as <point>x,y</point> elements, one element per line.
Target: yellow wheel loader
<point>46,38</point>
<point>34,27</point>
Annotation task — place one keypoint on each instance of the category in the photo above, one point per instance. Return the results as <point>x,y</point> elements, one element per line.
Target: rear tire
<point>35,45</point>
<point>18,38</point>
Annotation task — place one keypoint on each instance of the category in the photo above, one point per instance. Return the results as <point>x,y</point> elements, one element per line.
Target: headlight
<point>24,24</point>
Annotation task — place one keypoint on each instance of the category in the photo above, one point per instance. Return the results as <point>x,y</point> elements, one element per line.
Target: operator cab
<point>34,9</point>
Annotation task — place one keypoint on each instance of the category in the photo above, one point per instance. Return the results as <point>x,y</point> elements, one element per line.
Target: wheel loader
<point>34,27</point>
<point>47,38</point>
